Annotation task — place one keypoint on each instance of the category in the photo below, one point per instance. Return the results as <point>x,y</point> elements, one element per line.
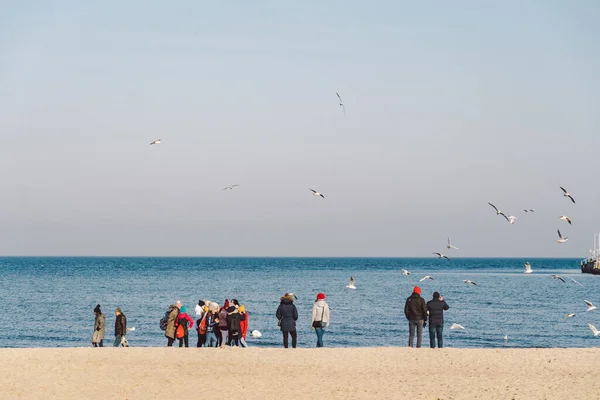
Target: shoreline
<point>265,373</point>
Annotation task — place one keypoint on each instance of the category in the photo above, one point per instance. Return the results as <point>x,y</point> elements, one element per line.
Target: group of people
<point>217,326</point>
<point>417,313</point>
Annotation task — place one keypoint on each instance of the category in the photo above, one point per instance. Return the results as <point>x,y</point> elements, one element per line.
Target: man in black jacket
<point>415,310</point>
<point>436,308</point>
<point>120,328</point>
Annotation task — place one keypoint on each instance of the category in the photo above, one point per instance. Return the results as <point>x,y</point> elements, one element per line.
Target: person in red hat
<point>320,318</point>
<point>415,310</point>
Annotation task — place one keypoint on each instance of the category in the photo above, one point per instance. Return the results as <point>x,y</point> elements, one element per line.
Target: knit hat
<point>119,310</point>
<point>183,309</point>
<point>226,305</point>
<point>321,296</point>
<point>235,302</point>
<point>436,295</point>
<point>242,308</point>
<point>201,303</point>
<point>97,309</point>
<point>417,290</point>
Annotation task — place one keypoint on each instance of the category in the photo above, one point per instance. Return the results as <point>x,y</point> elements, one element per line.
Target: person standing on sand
<point>212,324</point>
<point>99,324</point>
<point>320,318</point>
<point>415,310</point>
<point>120,328</point>
<point>287,314</point>
<point>233,324</point>
<point>436,308</point>
<point>243,325</point>
<point>223,338</point>
<point>200,311</point>
<point>170,331</point>
<point>186,322</point>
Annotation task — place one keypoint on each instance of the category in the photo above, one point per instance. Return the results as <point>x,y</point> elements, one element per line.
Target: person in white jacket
<point>320,318</point>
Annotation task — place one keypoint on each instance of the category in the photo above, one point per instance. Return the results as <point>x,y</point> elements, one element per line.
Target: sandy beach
<point>359,373</point>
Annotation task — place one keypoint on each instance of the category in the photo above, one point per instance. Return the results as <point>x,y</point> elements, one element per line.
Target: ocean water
<point>49,302</point>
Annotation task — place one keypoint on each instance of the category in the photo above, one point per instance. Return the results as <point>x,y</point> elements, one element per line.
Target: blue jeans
<point>320,332</point>
<point>211,339</point>
<point>436,330</point>
<point>117,342</point>
<point>415,325</point>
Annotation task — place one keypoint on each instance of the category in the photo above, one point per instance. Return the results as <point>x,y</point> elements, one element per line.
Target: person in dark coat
<point>415,310</point>
<point>120,328</point>
<point>287,314</point>
<point>233,325</point>
<point>436,308</point>
<point>99,324</point>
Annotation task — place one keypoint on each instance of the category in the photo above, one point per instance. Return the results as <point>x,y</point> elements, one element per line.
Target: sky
<point>448,107</point>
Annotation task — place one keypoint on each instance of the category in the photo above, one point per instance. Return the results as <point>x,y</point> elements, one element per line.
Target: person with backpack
<point>167,323</point>
<point>415,310</point>
<point>233,324</point>
<point>287,314</point>
<point>183,323</point>
<point>99,324</point>
<point>211,322</point>
<point>320,318</point>
<point>120,328</point>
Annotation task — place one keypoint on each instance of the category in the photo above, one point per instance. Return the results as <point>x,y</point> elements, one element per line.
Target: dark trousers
<point>170,342</point>
<point>415,325</point>
<point>234,339</point>
<point>99,344</point>
<point>436,330</point>
<point>285,338</point>
<point>184,339</point>
<point>222,337</point>
<point>201,340</point>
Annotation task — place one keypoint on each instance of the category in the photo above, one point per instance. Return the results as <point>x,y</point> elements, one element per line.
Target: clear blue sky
<point>449,106</point>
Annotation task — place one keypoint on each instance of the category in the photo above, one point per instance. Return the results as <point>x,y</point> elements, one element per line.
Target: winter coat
<point>415,308</point>
<point>99,325</point>
<point>244,323</point>
<point>121,325</point>
<point>211,325</point>
<point>287,314</point>
<point>233,321</point>
<point>170,331</point>
<point>436,309</point>
<point>223,319</point>
<point>320,312</point>
<point>185,320</point>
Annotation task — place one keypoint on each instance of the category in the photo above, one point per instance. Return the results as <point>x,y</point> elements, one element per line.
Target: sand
<point>232,373</point>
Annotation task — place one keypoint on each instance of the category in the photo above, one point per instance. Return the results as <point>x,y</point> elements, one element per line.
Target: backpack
<point>180,331</point>
<point>164,321</point>
<point>202,328</point>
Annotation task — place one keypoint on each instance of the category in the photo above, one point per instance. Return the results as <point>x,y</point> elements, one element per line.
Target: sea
<point>49,302</point>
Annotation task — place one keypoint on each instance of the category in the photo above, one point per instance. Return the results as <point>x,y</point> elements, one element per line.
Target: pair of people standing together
<point>416,312</point>
<point>287,314</point>
<point>99,328</point>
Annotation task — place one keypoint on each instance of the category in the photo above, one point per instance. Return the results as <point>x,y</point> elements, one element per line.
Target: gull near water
<point>450,246</point>
<point>567,194</point>
<point>528,269</point>
<point>405,272</point>
<point>440,255</point>
<point>590,306</point>
<point>561,239</point>
<point>351,284</point>
<point>426,277</point>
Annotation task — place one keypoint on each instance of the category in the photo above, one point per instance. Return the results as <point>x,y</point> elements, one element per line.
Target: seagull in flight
<point>341,103</point>
<point>456,326</point>
<point>449,245</point>
<point>594,330</point>
<point>590,306</point>
<point>157,141</point>
<point>292,295</point>
<point>256,334</point>
<point>470,282</point>
<point>426,277</point>
<point>567,194</point>
<point>565,218</point>
<point>571,315</point>
<point>440,255</point>
<point>511,219</point>
<point>558,277</point>
<point>575,281</point>
<point>231,187</point>
<point>530,210</point>
<point>528,269</point>
<point>316,193</point>
<point>405,272</point>
<point>351,284</point>
<point>498,212</point>
<point>560,238</point>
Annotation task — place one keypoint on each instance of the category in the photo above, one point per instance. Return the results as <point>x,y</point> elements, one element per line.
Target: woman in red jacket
<point>243,325</point>
<point>185,322</point>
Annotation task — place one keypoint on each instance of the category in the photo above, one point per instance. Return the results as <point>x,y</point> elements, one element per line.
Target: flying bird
<point>426,277</point>
<point>456,326</point>
<point>530,210</point>
<point>440,255</point>
<point>575,281</point>
<point>351,284</point>
<point>157,141</point>
<point>470,282</point>
<point>498,212</point>
<point>565,218</point>
<point>317,193</point>
<point>528,269</point>
<point>292,295</point>
<point>558,277</point>
<point>341,103</point>
<point>405,272</point>
<point>256,334</point>
<point>590,306</point>
<point>231,187</point>
<point>571,315</point>
<point>594,330</point>
<point>449,245</point>
<point>567,194</point>
<point>131,329</point>
<point>506,338</point>
<point>560,238</point>
<point>511,219</point>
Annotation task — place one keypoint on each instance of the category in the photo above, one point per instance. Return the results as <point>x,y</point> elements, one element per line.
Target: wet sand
<point>359,373</point>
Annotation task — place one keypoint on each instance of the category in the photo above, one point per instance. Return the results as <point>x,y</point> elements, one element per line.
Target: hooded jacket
<point>320,312</point>
<point>415,308</point>
<point>99,326</point>
<point>436,309</point>
<point>223,319</point>
<point>243,321</point>
<point>233,321</point>
<point>120,325</point>
<point>170,331</point>
<point>287,314</point>
<point>185,320</point>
